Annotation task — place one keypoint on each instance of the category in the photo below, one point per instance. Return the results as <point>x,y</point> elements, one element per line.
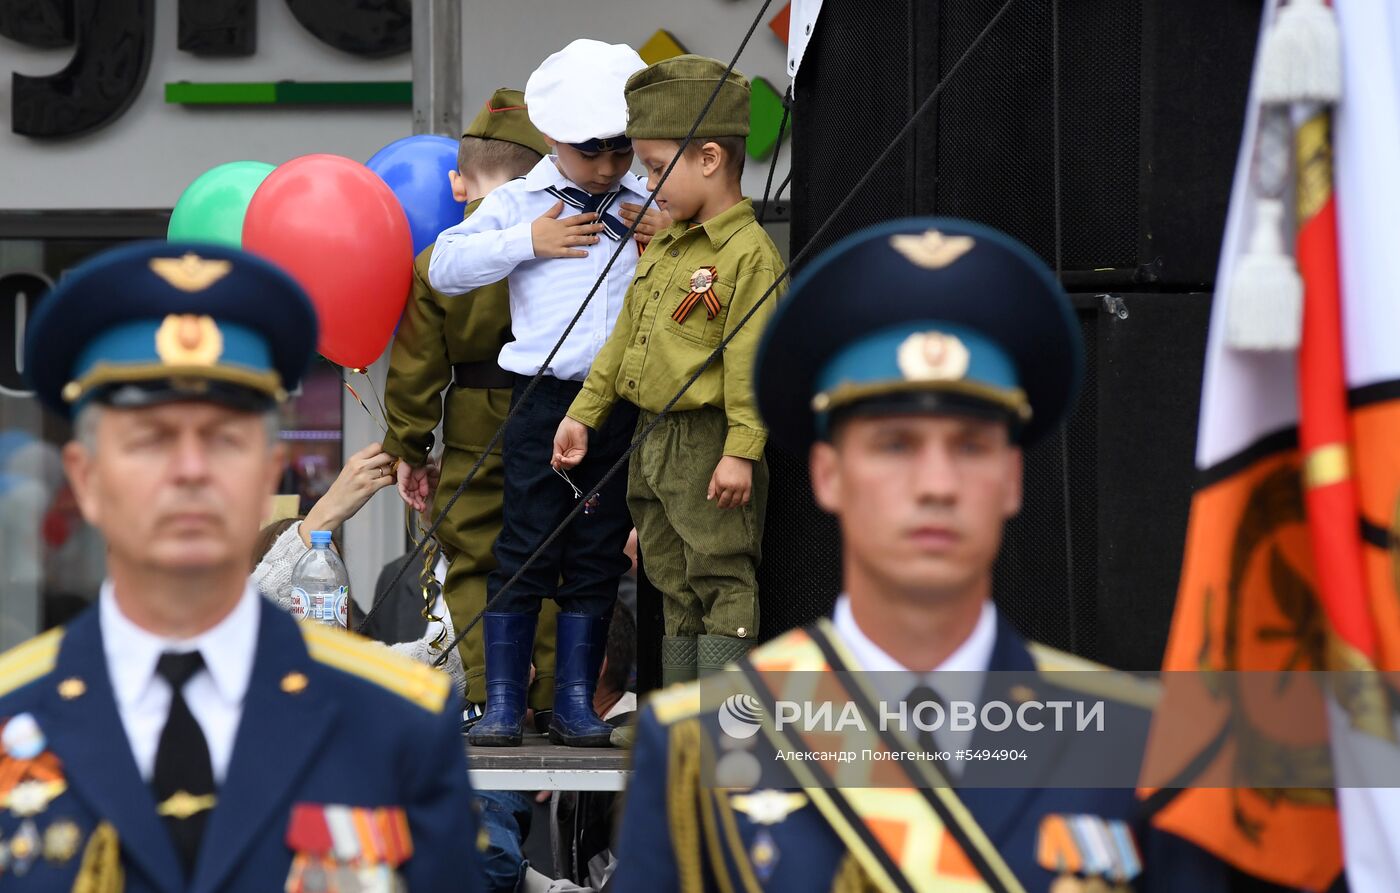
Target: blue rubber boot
<point>509,639</point>
<point>582,640</point>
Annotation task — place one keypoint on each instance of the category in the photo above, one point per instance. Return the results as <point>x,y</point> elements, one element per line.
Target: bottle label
<point>331,607</point>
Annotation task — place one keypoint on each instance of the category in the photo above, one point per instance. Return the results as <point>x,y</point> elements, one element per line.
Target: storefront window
<point>51,561</point>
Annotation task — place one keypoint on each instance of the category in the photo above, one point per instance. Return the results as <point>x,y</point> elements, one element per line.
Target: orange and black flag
<point>1292,552</point>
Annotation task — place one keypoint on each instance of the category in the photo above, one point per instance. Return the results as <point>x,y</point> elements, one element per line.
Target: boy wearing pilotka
<point>698,484</point>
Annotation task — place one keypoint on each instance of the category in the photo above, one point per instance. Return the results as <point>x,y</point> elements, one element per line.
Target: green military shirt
<point>436,332</point>
<point>649,355</point>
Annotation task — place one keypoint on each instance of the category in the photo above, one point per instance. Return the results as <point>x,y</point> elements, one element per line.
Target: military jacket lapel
<point>285,718</point>
<point>86,733</point>
<point>997,806</point>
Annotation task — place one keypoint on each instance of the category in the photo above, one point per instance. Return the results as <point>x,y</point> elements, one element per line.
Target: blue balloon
<point>416,169</point>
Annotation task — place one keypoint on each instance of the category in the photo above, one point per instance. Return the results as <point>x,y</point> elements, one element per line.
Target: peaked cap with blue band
<point>924,314</point>
<point>156,322</point>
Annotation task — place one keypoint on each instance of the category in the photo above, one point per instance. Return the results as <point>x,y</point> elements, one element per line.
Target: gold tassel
<point>101,871</point>
<point>850,878</point>
<point>683,803</point>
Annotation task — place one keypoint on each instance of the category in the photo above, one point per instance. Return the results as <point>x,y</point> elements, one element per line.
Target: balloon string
<point>380,422</point>
<point>374,392</point>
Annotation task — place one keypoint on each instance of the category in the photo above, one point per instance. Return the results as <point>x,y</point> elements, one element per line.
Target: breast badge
<point>31,776</point>
<point>61,840</point>
<point>1088,854</point>
<point>24,848</point>
<point>702,288</point>
<point>768,807</point>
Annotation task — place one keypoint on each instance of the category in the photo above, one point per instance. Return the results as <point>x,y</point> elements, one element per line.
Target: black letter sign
<point>19,296</point>
<point>219,27</point>
<point>42,24</point>
<point>115,39</point>
<point>370,28</point>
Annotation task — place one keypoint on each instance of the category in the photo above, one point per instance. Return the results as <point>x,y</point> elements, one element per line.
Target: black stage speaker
<point>1151,101</point>
<point>1150,104</point>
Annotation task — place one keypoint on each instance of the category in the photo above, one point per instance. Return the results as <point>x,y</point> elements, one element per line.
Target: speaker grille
<point>859,52</point>
<point>1032,586</point>
<point>800,576</point>
<point>989,152</point>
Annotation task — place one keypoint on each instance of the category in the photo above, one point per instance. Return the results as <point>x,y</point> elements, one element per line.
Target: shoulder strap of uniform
<point>675,703</point>
<point>1086,676</point>
<point>24,663</point>
<point>371,661</point>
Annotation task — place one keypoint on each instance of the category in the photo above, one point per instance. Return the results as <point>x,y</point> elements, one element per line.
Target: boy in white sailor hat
<point>551,234</point>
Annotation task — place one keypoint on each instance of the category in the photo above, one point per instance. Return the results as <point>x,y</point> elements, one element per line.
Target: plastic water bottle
<point>320,586</point>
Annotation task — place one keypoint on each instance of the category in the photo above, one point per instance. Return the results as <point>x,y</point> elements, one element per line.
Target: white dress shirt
<point>969,661</point>
<point>214,694</point>
<point>495,243</point>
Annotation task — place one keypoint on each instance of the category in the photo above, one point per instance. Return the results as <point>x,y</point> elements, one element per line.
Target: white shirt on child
<point>495,243</point>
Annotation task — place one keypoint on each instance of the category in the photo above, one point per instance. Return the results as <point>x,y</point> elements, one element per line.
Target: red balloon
<point>337,229</point>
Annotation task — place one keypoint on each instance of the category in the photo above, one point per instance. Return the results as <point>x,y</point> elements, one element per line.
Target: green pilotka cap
<point>504,118</point>
<point>663,100</point>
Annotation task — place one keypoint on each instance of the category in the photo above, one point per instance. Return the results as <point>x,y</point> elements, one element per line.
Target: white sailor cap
<point>575,96</point>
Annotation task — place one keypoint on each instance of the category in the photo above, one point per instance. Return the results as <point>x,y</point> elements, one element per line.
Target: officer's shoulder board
<point>676,703</point>
<point>373,662</point>
<point>30,660</point>
<point>1086,676</point>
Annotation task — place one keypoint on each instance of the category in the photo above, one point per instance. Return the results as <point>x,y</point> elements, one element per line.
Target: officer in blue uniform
<point>914,362</point>
<point>185,734</point>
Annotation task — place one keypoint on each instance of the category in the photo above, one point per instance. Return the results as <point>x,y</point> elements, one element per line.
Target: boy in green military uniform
<point>697,486</point>
<point>443,368</point>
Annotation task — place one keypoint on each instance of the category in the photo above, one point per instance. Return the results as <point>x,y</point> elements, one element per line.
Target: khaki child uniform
<point>693,286</point>
<point>443,368</point>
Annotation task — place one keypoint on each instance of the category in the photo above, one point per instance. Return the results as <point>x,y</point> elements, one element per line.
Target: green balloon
<point>211,208</point>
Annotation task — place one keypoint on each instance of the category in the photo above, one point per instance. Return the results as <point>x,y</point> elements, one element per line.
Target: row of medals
<point>329,876</point>
<point>1073,883</point>
<point>59,841</point>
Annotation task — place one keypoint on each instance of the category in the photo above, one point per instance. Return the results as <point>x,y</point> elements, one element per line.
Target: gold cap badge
<point>71,688</point>
<point>185,339</point>
<point>932,356</point>
<point>191,272</point>
<point>932,250</point>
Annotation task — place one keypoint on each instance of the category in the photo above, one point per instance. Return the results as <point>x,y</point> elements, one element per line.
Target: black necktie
<point>184,778</point>
<point>589,203</point>
<point>921,694</point>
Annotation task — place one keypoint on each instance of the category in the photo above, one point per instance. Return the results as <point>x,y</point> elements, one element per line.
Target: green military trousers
<point>701,557</point>
<point>467,536</point>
